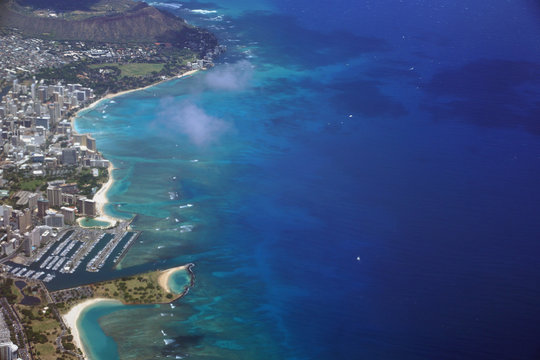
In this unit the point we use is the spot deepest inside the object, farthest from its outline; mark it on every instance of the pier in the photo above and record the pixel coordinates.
(74, 247)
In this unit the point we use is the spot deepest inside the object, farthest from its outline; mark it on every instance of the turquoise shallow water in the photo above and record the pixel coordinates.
(354, 180)
(96, 343)
(179, 281)
(89, 222)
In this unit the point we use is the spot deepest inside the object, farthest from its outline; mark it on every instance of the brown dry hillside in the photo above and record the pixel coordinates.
(141, 23)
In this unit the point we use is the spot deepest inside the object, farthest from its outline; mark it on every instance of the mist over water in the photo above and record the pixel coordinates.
(353, 180)
(231, 77)
(188, 119)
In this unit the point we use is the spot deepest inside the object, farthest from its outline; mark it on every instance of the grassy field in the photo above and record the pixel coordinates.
(138, 289)
(32, 184)
(133, 69)
(42, 329)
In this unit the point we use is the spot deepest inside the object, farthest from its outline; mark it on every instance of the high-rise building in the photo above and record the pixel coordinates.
(42, 94)
(89, 207)
(80, 205)
(69, 188)
(85, 140)
(52, 113)
(8, 247)
(69, 215)
(16, 87)
(7, 214)
(8, 350)
(32, 202)
(91, 143)
(43, 206)
(24, 219)
(27, 218)
(54, 220)
(69, 156)
(27, 245)
(54, 194)
(45, 233)
(35, 236)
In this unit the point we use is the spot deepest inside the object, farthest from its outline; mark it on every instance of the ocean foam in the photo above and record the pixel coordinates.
(186, 228)
(217, 18)
(168, 5)
(203, 12)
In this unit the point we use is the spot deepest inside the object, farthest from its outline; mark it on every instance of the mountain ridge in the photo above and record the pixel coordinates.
(141, 23)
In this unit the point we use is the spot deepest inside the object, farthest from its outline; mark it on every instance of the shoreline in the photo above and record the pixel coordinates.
(164, 277)
(101, 200)
(124, 92)
(101, 195)
(73, 315)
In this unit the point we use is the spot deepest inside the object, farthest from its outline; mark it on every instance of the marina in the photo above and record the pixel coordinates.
(67, 251)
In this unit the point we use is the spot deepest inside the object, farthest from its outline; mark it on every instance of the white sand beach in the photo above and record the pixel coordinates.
(101, 196)
(164, 277)
(114, 95)
(101, 200)
(71, 317)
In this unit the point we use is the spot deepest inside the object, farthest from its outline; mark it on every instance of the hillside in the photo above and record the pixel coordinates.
(140, 23)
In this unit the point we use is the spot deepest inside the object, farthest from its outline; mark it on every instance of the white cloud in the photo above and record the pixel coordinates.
(230, 76)
(188, 119)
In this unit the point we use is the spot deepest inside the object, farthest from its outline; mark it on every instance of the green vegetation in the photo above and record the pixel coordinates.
(42, 328)
(138, 289)
(132, 69)
(24, 180)
(86, 181)
(32, 184)
(9, 290)
(112, 77)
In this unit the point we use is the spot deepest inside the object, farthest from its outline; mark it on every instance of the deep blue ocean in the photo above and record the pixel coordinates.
(353, 180)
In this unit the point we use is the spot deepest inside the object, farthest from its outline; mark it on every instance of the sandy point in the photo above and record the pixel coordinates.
(72, 316)
(163, 279)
